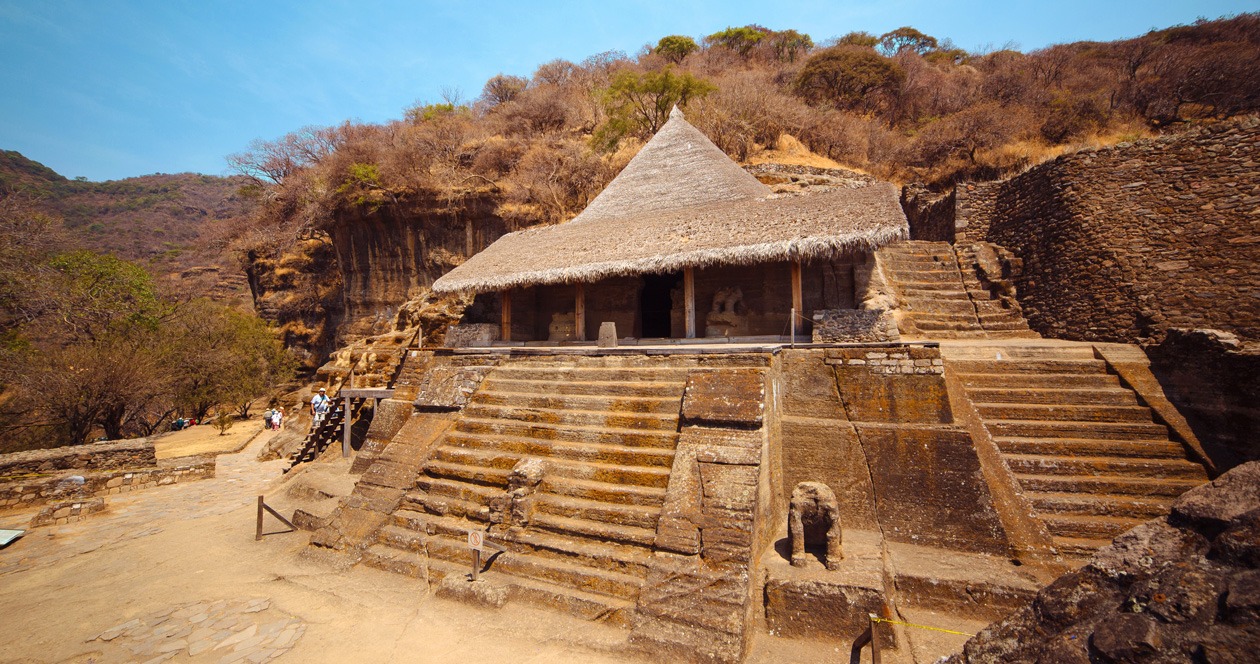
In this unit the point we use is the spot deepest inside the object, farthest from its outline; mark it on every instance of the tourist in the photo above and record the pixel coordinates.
(277, 417)
(319, 406)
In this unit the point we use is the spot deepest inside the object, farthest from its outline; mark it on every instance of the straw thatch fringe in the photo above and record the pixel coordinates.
(683, 203)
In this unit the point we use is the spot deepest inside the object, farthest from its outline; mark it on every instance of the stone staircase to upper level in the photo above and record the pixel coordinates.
(604, 430)
(1086, 453)
(939, 299)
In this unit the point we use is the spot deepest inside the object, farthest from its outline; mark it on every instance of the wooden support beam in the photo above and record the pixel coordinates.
(345, 427)
(798, 299)
(579, 312)
(505, 315)
(689, 299)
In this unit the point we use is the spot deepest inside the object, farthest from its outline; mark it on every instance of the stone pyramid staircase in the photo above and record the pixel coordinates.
(605, 429)
(939, 299)
(1086, 453)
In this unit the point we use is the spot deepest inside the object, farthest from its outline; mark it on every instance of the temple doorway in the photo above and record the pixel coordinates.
(655, 304)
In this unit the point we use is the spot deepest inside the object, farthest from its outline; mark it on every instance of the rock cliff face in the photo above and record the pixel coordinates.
(350, 281)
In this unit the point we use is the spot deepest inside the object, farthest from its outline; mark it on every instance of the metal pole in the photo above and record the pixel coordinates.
(476, 563)
(793, 328)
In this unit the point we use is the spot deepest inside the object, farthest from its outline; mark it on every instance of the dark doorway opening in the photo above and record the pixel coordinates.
(656, 304)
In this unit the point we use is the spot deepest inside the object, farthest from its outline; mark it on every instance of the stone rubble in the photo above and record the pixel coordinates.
(244, 630)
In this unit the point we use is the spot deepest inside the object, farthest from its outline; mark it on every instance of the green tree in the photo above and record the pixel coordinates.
(675, 48)
(788, 44)
(639, 103)
(848, 77)
(741, 40)
(894, 42)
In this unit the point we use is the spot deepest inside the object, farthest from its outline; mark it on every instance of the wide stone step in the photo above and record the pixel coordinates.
(1153, 469)
(1064, 412)
(1007, 352)
(940, 311)
(592, 607)
(562, 417)
(929, 324)
(594, 388)
(450, 488)
(1088, 527)
(620, 454)
(520, 563)
(1130, 507)
(500, 464)
(557, 373)
(572, 548)
(1079, 547)
(401, 538)
(594, 530)
(1117, 396)
(466, 473)
(1020, 366)
(1094, 430)
(640, 516)
(1139, 449)
(1038, 381)
(667, 405)
(406, 563)
(932, 285)
(600, 435)
(608, 492)
(1126, 485)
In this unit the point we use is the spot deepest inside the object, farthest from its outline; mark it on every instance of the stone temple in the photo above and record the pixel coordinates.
(705, 411)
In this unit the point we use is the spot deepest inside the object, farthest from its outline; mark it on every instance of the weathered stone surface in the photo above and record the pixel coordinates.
(109, 455)
(854, 326)
(819, 608)
(724, 398)
(1213, 506)
(479, 593)
(1151, 596)
(471, 335)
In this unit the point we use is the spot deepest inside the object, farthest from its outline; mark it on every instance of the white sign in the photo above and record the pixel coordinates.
(476, 539)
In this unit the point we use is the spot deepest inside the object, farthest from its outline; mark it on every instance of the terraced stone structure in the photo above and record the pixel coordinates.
(647, 486)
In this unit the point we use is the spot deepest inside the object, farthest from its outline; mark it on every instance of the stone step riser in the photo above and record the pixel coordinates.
(595, 389)
(1035, 381)
(647, 456)
(574, 434)
(1103, 528)
(573, 417)
(1064, 413)
(1146, 449)
(1103, 505)
(1153, 469)
(1022, 353)
(573, 549)
(1065, 397)
(501, 464)
(590, 510)
(1079, 549)
(1101, 485)
(552, 374)
(1091, 430)
(516, 563)
(546, 401)
(1019, 366)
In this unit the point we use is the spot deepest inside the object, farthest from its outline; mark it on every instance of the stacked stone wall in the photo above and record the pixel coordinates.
(42, 489)
(135, 453)
(931, 219)
(1124, 243)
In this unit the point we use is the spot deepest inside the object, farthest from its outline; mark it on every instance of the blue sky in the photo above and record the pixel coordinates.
(109, 90)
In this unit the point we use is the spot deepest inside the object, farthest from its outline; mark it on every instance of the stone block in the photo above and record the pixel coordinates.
(724, 398)
(818, 608)
(607, 335)
(471, 335)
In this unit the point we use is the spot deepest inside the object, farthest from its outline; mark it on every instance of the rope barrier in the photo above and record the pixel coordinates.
(916, 626)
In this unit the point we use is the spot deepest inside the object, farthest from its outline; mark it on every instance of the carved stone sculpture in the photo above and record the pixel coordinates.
(516, 506)
(562, 328)
(724, 319)
(813, 516)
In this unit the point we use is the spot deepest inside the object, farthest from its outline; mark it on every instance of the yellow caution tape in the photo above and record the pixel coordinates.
(934, 629)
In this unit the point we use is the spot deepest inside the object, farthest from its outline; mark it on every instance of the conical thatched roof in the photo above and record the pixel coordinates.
(681, 202)
(680, 167)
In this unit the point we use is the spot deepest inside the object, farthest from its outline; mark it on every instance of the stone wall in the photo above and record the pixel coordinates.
(64, 486)
(1124, 243)
(931, 217)
(135, 453)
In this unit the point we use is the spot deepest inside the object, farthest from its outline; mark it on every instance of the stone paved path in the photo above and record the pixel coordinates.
(174, 574)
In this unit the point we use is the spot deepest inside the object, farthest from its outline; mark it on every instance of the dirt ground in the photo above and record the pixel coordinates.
(205, 439)
(174, 574)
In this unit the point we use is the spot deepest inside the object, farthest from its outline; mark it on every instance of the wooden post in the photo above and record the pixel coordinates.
(345, 427)
(505, 315)
(579, 312)
(798, 301)
(258, 529)
(689, 299)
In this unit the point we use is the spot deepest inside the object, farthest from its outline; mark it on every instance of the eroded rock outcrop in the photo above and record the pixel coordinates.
(1179, 589)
